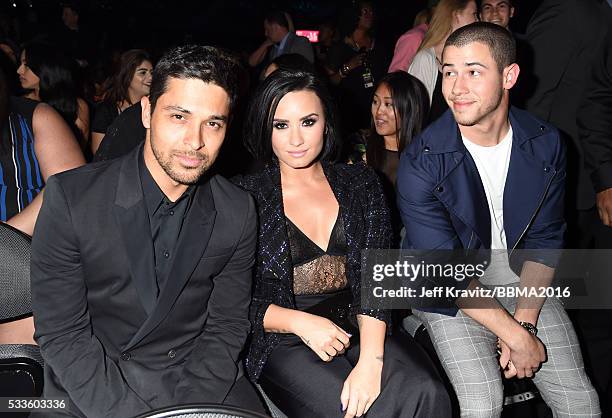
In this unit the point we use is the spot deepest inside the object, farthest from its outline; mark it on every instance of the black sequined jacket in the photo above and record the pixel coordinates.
(366, 226)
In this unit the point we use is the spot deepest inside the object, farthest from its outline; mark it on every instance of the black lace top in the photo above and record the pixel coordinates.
(317, 271)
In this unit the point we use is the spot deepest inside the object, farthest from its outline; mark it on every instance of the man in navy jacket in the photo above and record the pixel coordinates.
(487, 176)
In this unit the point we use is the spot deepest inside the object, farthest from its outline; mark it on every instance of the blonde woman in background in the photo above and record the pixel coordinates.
(449, 15)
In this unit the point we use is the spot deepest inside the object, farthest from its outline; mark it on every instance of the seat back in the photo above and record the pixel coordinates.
(21, 365)
(202, 411)
(15, 300)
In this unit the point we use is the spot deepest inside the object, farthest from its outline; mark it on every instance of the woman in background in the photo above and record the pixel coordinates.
(449, 15)
(399, 107)
(48, 76)
(315, 350)
(128, 85)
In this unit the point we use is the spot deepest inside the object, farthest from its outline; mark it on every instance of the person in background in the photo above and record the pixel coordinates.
(313, 346)
(130, 83)
(327, 37)
(399, 108)
(48, 76)
(280, 39)
(35, 144)
(408, 44)
(497, 11)
(595, 135)
(355, 63)
(449, 15)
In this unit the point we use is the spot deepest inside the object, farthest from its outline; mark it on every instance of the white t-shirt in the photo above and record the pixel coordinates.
(492, 164)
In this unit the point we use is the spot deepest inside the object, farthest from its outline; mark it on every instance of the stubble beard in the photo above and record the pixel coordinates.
(186, 176)
(488, 108)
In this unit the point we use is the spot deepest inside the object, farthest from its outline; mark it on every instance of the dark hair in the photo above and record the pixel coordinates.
(277, 16)
(500, 41)
(205, 63)
(260, 114)
(293, 62)
(410, 105)
(57, 81)
(118, 88)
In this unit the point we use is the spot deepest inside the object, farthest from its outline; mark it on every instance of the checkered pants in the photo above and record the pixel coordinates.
(467, 351)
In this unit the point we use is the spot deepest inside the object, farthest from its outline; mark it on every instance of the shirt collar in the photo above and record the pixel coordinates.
(153, 195)
(282, 43)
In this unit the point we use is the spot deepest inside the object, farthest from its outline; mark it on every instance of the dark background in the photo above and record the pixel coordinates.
(233, 24)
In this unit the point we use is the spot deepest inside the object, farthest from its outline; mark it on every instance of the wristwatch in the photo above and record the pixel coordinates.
(529, 327)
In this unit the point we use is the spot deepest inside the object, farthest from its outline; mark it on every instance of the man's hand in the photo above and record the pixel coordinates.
(604, 206)
(323, 337)
(361, 387)
(523, 356)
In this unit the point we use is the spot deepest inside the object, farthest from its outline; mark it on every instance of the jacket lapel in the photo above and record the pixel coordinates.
(464, 181)
(131, 214)
(461, 180)
(193, 240)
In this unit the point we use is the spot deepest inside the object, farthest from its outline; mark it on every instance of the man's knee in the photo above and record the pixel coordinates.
(484, 402)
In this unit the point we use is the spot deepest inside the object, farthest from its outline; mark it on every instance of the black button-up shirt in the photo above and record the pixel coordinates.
(166, 219)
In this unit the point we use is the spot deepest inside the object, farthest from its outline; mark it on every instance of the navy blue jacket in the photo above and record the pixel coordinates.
(443, 203)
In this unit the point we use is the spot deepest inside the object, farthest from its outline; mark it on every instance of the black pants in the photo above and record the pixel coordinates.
(302, 385)
(593, 326)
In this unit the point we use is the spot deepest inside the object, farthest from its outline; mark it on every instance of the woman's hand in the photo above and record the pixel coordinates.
(362, 387)
(323, 337)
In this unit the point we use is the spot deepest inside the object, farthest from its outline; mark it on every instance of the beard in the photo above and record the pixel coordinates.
(176, 171)
(472, 118)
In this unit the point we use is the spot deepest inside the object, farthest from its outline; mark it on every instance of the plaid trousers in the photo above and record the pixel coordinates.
(467, 351)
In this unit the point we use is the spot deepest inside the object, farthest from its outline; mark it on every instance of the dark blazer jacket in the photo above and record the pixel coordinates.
(108, 344)
(595, 115)
(443, 203)
(366, 226)
(566, 36)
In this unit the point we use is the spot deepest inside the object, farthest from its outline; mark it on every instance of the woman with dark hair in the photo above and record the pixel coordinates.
(127, 86)
(35, 143)
(355, 64)
(315, 351)
(399, 107)
(48, 76)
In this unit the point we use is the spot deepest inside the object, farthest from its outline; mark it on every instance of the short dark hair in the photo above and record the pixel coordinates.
(277, 16)
(205, 63)
(500, 41)
(260, 114)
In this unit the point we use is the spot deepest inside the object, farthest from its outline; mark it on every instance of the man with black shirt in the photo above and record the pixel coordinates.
(141, 266)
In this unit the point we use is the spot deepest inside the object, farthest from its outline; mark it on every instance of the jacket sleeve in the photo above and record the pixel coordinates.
(212, 367)
(548, 227)
(377, 232)
(425, 218)
(93, 381)
(595, 120)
